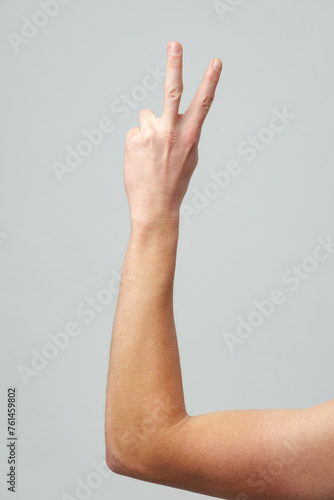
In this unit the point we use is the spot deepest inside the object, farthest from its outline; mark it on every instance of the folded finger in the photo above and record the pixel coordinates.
(145, 118)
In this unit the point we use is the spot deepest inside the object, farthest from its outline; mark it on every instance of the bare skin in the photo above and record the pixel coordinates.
(281, 454)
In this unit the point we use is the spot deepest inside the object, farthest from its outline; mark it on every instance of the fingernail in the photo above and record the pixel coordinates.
(175, 48)
(217, 64)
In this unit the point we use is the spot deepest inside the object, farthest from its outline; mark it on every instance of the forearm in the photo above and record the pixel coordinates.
(145, 394)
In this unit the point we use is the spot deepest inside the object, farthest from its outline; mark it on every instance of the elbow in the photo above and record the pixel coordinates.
(115, 459)
(113, 465)
(125, 457)
(138, 441)
(130, 458)
(140, 455)
(119, 449)
(111, 461)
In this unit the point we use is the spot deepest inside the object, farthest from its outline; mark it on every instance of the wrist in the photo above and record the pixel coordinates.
(150, 225)
(158, 235)
(152, 246)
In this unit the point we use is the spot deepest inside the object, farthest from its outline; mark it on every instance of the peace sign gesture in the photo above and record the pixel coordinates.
(200, 105)
(162, 153)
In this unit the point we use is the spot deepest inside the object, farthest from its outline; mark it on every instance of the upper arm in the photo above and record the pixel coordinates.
(250, 454)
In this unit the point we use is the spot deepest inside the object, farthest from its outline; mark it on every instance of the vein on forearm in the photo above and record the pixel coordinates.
(144, 373)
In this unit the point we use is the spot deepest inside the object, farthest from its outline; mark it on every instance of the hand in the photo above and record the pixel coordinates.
(161, 155)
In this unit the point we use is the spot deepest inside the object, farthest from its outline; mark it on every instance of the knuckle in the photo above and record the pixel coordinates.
(131, 132)
(213, 77)
(206, 101)
(143, 112)
(174, 93)
(169, 136)
(190, 137)
(148, 135)
(130, 136)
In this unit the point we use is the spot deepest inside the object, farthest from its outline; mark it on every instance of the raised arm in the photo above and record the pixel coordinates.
(243, 454)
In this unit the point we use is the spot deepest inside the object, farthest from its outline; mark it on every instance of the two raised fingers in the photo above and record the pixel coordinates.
(200, 105)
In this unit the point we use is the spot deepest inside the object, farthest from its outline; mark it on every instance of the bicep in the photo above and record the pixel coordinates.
(251, 454)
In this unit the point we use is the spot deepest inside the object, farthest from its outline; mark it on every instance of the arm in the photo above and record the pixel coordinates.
(145, 385)
(242, 454)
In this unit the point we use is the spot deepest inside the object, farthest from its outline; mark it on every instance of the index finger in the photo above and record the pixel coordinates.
(173, 85)
(202, 100)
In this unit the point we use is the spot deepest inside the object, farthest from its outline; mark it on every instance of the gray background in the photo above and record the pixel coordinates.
(61, 241)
